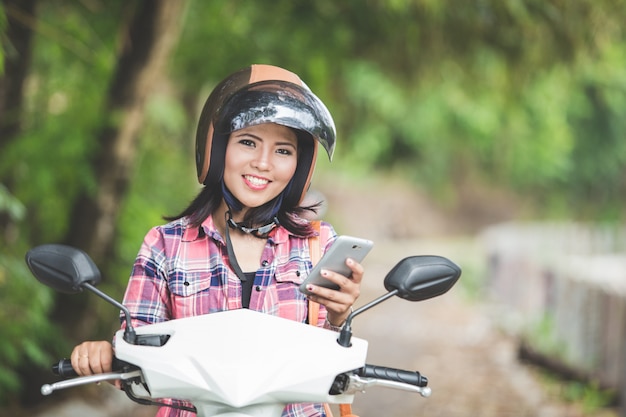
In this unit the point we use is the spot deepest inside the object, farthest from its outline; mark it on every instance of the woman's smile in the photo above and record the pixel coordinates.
(256, 182)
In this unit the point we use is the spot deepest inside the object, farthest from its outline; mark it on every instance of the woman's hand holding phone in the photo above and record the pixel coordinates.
(335, 281)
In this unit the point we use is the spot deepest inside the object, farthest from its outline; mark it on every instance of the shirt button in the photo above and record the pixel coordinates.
(297, 273)
(258, 288)
(264, 263)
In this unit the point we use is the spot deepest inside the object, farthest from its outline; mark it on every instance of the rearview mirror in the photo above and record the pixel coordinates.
(415, 278)
(418, 278)
(70, 270)
(62, 267)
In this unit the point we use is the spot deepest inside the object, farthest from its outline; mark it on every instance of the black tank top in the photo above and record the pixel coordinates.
(246, 288)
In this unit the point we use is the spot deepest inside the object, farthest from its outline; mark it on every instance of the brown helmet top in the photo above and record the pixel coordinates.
(255, 95)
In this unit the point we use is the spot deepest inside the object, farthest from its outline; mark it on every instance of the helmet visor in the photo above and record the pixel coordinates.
(282, 103)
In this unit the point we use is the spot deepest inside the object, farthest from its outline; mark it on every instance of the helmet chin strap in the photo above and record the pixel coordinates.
(261, 232)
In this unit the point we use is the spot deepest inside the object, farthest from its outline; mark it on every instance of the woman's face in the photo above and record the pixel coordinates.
(260, 161)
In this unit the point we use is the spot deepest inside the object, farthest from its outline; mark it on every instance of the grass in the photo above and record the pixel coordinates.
(587, 397)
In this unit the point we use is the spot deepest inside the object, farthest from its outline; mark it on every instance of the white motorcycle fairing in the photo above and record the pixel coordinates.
(242, 362)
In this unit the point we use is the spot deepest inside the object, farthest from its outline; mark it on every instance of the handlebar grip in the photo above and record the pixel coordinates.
(391, 374)
(64, 367)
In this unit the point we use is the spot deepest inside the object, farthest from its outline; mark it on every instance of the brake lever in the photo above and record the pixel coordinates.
(48, 389)
(359, 384)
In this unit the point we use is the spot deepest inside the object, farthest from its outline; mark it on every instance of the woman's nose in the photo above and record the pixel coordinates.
(261, 161)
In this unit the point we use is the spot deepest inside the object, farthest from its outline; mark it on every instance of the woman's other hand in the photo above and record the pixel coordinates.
(91, 358)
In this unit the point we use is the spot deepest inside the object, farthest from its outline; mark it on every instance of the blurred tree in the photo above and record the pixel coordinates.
(438, 87)
(148, 39)
(97, 121)
(17, 44)
(148, 34)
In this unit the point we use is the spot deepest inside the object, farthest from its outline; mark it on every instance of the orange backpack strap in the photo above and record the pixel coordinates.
(316, 253)
(345, 410)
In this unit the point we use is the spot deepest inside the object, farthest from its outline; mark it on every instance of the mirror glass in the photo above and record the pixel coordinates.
(418, 278)
(62, 267)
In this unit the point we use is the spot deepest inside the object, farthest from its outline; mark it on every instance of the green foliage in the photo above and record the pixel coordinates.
(27, 335)
(589, 396)
(10, 206)
(526, 95)
(47, 164)
(50, 158)
(541, 335)
(165, 180)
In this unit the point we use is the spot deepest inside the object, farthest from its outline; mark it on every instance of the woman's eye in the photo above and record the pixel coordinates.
(285, 151)
(247, 142)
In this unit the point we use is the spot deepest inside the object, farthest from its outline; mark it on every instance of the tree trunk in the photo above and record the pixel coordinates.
(150, 37)
(18, 53)
(17, 60)
(148, 40)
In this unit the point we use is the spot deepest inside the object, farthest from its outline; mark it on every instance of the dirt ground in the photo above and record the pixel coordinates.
(458, 343)
(455, 340)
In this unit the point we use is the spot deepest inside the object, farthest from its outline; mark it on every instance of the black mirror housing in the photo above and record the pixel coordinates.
(62, 267)
(418, 278)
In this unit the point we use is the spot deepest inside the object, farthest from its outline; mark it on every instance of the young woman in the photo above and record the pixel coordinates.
(243, 241)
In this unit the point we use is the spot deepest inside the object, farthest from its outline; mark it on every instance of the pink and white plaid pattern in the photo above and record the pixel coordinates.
(183, 272)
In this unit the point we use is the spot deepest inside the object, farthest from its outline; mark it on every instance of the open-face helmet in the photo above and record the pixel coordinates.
(263, 94)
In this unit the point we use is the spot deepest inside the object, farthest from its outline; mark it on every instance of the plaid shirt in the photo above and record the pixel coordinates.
(182, 271)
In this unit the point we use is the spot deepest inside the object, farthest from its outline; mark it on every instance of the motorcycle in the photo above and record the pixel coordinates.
(292, 362)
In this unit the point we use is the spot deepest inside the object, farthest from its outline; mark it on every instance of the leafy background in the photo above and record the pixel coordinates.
(526, 97)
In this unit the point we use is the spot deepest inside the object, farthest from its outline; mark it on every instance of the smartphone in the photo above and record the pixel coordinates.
(335, 260)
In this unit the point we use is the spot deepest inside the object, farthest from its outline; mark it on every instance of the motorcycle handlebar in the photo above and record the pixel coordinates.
(64, 367)
(392, 374)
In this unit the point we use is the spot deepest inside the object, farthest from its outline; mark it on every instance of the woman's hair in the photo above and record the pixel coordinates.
(288, 211)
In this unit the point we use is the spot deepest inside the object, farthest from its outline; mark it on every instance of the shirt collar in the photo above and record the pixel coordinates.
(207, 228)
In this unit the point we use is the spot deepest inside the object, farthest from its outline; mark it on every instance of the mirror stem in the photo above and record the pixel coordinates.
(129, 333)
(346, 331)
